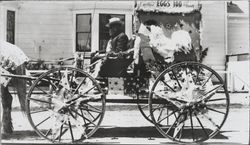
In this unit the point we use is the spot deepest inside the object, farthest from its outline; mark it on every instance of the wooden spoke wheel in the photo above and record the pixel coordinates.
(195, 106)
(142, 104)
(65, 105)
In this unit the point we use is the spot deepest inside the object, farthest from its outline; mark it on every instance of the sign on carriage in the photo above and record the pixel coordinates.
(167, 6)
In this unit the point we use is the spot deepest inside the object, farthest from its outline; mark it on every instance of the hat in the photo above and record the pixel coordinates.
(114, 21)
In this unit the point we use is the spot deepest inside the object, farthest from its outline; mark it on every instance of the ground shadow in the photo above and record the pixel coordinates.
(144, 132)
(139, 132)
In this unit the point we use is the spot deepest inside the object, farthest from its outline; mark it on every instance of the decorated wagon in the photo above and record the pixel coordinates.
(172, 91)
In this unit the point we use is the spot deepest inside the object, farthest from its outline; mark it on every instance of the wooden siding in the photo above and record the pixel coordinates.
(45, 30)
(213, 33)
(238, 35)
(2, 23)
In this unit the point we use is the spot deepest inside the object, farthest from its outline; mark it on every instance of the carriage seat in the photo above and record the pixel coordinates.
(115, 67)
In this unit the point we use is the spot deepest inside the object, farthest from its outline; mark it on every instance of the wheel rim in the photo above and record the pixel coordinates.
(198, 99)
(69, 107)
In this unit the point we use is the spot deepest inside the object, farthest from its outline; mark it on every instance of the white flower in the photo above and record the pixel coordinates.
(181, 38)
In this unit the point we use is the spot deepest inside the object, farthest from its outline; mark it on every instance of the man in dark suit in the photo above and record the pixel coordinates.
(116, 60)
(118, 39)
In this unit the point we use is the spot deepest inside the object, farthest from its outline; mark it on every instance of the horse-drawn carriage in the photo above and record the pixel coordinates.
(68, 104)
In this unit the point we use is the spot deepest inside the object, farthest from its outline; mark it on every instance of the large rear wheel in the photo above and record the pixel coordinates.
(195, 102)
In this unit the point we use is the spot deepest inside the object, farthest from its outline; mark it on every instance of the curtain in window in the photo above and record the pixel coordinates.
(83, 32)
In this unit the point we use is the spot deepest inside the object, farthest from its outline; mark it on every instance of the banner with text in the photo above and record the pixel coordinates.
(167, 6)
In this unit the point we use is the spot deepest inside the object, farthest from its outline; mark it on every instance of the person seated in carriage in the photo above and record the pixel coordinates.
(116, 59)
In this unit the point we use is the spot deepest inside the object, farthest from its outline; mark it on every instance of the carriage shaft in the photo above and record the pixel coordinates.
(19, 76)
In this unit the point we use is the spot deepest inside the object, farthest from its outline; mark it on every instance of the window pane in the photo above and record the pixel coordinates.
(83, 32)
(83, 23)
(83, 42)
(10, 27)
(103, 30)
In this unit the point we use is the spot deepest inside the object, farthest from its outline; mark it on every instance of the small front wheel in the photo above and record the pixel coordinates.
(65, 105)
(195, 102)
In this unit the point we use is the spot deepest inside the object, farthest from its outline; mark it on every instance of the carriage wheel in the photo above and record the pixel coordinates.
(157, 104)
(143, 105)
(198, 99)
(65, 105)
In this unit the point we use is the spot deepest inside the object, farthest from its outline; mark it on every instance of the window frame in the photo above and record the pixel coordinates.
(83, 32)
(3, 11)
(99, 36)
(95, 26)
(12, 29)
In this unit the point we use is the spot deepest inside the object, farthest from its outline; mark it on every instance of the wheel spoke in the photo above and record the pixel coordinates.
(42, 121)
(77, 88)
(175, 115)
(88, 109)
(71, 132)
(34, 112)
(203, 129)
(168, 85)
(167, 116)
(215, 110)
(145, 106)
(197, 76)
(60, 74)
(180, 134)
(173, 124)
(89, 90)
(60, 135)
(219, 99)
(53, 85)
(154, 109)
(211, 121)
(160, 114)
(47, 133)
(49, 95)
(50, 78)
(191, 121)
(83, 117)
(71, 79)
(210, 93)
(207, 80)
(176, 79)
(43, 101)
(91, 114)
(97, 110)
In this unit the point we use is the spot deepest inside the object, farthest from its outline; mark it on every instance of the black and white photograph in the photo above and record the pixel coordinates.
(124, 72)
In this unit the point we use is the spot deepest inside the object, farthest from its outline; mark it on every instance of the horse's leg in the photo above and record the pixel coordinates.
(6, 104)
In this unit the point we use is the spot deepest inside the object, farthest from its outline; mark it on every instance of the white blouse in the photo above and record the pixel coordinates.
(11, 56)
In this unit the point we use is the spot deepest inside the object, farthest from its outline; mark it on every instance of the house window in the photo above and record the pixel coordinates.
(83, 32)
(103, 30)
(10, 27)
